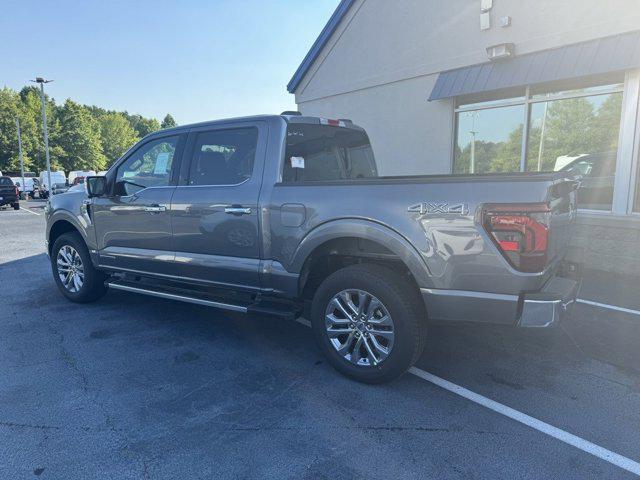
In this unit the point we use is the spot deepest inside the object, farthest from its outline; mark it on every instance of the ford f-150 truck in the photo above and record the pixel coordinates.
(287, 215)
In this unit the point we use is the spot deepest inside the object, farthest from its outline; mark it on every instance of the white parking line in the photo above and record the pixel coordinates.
(566, 437)
(27, 210)
(610, 307)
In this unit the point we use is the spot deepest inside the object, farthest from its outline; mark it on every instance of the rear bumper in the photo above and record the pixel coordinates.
(539, 309)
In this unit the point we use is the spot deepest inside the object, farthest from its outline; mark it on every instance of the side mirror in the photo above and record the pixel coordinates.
(96, 186)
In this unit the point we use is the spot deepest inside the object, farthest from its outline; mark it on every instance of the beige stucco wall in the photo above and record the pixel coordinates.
(380, 65)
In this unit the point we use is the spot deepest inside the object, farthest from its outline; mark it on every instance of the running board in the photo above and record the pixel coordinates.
(180, 298)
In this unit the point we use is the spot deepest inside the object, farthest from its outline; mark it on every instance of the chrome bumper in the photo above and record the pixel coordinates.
(549, 306)
(541, 309)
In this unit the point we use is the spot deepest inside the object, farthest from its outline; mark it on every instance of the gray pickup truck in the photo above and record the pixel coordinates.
(286, 215)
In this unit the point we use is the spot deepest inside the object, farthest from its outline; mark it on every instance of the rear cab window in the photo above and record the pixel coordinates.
(326, 153)
(6, 182)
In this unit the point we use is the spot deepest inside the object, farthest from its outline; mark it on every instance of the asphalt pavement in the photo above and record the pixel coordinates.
(139, 387)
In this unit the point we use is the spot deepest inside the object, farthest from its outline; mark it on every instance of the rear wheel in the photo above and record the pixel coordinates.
(16, 206)
(73, 271)
(369, 322)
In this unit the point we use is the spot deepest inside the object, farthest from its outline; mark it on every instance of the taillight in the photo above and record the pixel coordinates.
(17, 191)
(521, 232)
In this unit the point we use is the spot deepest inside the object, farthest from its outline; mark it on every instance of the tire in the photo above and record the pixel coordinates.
(16, 206)
(75, 257)
(403, 337)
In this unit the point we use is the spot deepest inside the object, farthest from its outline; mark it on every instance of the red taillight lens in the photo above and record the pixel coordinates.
(521, 232)
(17, 191)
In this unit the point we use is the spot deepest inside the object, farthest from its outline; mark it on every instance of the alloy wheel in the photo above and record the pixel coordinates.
(70, 268)
(359, 327)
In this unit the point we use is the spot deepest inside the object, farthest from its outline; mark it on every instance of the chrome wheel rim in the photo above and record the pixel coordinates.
(70, 268)
(359, 327)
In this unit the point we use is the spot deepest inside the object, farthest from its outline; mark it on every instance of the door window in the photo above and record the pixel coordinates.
(149, 166)
(223, 157)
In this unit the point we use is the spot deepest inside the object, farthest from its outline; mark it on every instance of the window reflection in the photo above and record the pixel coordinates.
(489, 140)
(578, 135)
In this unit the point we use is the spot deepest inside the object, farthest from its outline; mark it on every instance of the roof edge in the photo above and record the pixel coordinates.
(328, 30)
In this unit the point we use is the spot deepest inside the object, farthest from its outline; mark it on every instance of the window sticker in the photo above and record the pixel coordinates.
(297, 162)
(161, 163)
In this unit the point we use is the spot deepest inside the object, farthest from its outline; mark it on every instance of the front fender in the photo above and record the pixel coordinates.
(367, 230)
(72, 211)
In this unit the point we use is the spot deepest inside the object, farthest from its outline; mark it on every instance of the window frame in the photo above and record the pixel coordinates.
(258, 162)
(112, 173)
(625, 186)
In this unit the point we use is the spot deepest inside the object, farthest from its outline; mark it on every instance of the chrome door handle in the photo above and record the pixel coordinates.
(238, 210)
(155, 208)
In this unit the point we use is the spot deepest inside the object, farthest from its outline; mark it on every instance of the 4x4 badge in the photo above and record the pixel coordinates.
(434, 208)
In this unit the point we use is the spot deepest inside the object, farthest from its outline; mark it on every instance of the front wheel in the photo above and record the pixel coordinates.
(73, 272)
(369, 322)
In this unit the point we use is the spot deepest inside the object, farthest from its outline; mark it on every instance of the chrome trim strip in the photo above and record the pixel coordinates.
(180, 298)
(469, 294)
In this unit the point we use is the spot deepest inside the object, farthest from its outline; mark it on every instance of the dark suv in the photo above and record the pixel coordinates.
(9, 194)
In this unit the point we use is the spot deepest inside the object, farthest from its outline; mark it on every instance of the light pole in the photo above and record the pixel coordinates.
(42, 81)
(20, 153)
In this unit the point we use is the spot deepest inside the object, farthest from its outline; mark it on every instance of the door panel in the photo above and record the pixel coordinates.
(133, 224)
(131, 234)
(216, 229)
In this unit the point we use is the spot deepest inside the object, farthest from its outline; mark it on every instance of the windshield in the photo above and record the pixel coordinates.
(327, 153)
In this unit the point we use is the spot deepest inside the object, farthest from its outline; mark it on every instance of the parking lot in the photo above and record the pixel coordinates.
(139, 387)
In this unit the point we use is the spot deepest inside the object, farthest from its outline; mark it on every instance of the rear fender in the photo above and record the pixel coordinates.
(367, 230)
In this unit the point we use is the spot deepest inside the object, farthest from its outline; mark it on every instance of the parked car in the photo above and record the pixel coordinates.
(79, 173)
(9, 194)
(78, 181)
(58, 180)
(287, 215)
(30, 187)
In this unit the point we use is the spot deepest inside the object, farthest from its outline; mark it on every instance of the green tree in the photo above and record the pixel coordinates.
(143, 126)
(117, 135)
(9, 108)
(79, 138)
(168, 122)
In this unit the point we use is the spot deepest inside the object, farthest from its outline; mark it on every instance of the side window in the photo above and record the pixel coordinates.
(223, 157)
(149, 166)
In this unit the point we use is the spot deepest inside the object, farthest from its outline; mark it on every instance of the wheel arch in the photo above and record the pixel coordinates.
(360, 241)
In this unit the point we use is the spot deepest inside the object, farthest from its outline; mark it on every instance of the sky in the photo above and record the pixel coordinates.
(196, 59)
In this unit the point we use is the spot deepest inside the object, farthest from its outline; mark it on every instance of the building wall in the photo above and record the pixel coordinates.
(402, 130)
(380, 66)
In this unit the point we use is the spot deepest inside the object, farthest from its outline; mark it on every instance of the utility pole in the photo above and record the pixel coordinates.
(42, 81)
(20, 153)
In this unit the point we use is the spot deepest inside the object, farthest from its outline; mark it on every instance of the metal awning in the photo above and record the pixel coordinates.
(593, 57)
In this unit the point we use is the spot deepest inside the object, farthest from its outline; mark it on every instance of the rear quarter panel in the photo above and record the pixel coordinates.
(455, 249)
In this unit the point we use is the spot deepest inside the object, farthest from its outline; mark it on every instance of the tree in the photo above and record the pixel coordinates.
(9, 101)
(168, 122)
(143, 126)
(117, 135)
(80, 139)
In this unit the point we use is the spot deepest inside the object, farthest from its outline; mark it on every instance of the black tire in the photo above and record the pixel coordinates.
(16, 206)
(93, 286)
(401, 300)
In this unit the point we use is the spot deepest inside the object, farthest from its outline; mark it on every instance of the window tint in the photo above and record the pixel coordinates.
(6, 181)
(149, 166)
(223, 157)
(327, 153)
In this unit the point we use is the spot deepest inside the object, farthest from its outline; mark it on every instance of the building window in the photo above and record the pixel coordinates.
(573, 130)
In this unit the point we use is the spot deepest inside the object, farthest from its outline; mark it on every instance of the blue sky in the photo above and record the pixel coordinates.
(197, 59)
